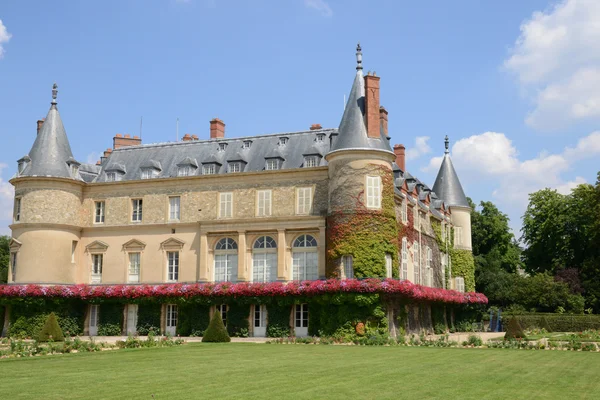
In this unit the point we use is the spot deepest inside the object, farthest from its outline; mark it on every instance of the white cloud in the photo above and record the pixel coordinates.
(587, 146)
(93, 157)
(321, 6)
(7, 195)
(566, 188)
(557, 59)
(420, 148)
(4, 37)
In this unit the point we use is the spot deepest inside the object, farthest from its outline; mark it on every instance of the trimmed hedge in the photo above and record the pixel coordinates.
(557, 322)
(216, 332)
(148, 318)
(278, 321)
(110, 319)
(237, 319)
(28, 318)
(50, 330)
(514, 330)
(193, 319)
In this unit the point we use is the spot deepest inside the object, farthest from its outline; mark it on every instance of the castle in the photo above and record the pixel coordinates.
(294, 206)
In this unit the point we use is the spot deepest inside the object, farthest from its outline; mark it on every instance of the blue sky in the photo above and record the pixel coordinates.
(516, 85)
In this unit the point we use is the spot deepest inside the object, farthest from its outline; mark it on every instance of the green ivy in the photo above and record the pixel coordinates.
(463, 265)
(193, 319)
(237, 319)
(27, 317)
(365, 234)
(148, 318)
(110, 319)
(278, 321)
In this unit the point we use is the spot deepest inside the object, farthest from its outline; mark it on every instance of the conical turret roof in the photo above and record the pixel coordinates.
(51, 150)
(447, 185)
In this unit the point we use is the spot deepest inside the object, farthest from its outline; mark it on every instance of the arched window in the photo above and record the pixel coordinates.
(226, 260)
(305, 260)
(264, 260)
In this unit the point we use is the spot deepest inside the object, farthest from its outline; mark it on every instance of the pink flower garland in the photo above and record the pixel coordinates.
(403, 289)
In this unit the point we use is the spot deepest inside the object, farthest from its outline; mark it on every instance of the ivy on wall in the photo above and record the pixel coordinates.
(27, 317)
(149, 318)
(237, 319)
(463, 264)
(364, 233)
(110, 319)
(278, 319)
(193, 319)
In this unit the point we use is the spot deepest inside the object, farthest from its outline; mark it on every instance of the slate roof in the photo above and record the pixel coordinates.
(447, 185)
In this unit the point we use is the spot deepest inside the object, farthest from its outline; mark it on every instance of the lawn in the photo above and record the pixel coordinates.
(247, 370)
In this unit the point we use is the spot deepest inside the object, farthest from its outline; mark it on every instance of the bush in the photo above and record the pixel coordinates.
(514, 330)
(110, 319)
(192, 319)
(51, 330)
(557, 322)
(237, 319)
(216, 332)
(475, 340)
(148, 318)
(278, 323)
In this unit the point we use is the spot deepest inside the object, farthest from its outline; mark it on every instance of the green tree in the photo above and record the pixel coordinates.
(4, 258)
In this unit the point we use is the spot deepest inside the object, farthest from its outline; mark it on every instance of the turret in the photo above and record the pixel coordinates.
(46, 221)
(448, 188)
(361, 193)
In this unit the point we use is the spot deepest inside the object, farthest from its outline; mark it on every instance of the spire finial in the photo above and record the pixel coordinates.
(358, 57)
(447, 144)
(54, 92)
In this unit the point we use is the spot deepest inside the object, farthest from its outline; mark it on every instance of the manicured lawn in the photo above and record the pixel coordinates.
(216, 371)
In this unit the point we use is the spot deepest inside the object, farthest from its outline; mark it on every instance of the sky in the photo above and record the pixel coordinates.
(514, 84)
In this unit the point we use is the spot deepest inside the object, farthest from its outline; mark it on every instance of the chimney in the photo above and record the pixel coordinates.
(372, 105)
(107, 152)
(217, 128)
(186, 137)
(315, 127)
(40, 122)
(194, 137)
(383, 119)
(400, 152)
(125, 140)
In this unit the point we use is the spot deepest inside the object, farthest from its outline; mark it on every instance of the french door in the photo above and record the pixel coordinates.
(260, 320)
(93, 324)
(132, 315)
(171, 325)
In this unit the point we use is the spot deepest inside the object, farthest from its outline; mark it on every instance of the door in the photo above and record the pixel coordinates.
(171, 325)
(301, 317)
(260, 320)
(132, 313)
(93, 325)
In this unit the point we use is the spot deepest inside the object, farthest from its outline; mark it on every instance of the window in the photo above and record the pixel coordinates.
(443, 227)
(272, 164)
(73, 249)
(99, 212)
(260, 316)
(263, 203)
(113, 176)
(305, 265)
(416, 221)
(74, 170)
(225, 205)
(404, 211)
(459, 284)
(311, 161)
(388, 265)
(373, 191)
(171, 319)
(209, 169)
(235, 166)
(17, 213)
(172, 266)
(222, 309)
(134, 267)
(428, 270)
(13, 265)
(97, 260)
(136, 215)
(320, 137)
(185, 170)
(174, 210)
(226, 260)
(94, 314)
(444, 263)
(303, 201)
(301, 316)
(149, 173)
(21, 166)
(247, 144)
(417, 263)
(348, 267)
(404, 270)
(283, 141)
(264, 260)
(458, 236)
(222, 146)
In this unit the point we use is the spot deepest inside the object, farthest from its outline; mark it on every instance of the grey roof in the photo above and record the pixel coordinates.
(352, 133)
(89, 172)
(51, 150)
(129, 160)
(447, 185)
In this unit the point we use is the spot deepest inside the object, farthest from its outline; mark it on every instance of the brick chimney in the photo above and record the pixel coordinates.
(194, 137)
(383, 119)
(400, 152)
(372, 105)
(315, 127)
(40, 122)
(186, 137)
(125, 140)
(217, 128)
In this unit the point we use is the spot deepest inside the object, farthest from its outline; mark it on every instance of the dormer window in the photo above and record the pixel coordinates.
(222, 146)
(272, 164)
(320, 137)
(311, 161)
(209, 169)
(113, 176)
(247, 144)
(283, 140)
(149, 173)
(74, 170)
(235, 166)
(22, 164)
(185, 170)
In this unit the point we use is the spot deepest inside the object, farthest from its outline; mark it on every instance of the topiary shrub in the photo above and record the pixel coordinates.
(514, 330)
(51, 330)
(545, 325)
(216, 332)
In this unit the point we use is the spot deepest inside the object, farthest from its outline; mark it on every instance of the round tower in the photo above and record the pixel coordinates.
(46, 226)
(361, 224)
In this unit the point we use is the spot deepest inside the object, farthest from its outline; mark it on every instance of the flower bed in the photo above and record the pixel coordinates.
(404, 289)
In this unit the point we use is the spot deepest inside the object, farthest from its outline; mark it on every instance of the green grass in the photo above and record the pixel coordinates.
(257, 371)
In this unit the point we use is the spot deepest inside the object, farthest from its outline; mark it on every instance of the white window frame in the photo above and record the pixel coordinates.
(171, 318)
(459, 284)
(184, 170)
(137, 208)
(303, 249)
(97, 264)
(263, 203)
(17, 209)
(234, 166)
(428, 270)
(348, 267)
(222, 310)
(13, 264)
(94, 317)
(99, 211)
(301, 315)
(271, 164)
(404, 264)
(149, 173)
(264, 258)
(404, 211)
(417, 263)
(174, 208)
(373, 192)
(173, 264)
(113, 176)
(458, 236)
(209, 169)
(228, 259)
(388, 265)
(134, 266)
(225, 205)
(304, 200)
(443, 264)
(311, 161)
(260, 316)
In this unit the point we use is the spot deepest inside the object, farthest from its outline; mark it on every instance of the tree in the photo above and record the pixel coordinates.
(51, 330)
(4, 258)
(216, 331)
